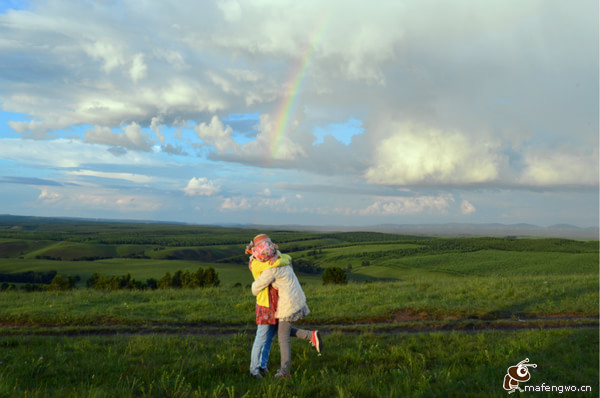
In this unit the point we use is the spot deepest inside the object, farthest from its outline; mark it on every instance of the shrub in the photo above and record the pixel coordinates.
(180, 279)
(307, 267)
(334, 275)
(211, 278)
(152, 283)
(60, 283)
(5, 287)
(29, 277)
(31, 287)
(166, 281)
(186, 279)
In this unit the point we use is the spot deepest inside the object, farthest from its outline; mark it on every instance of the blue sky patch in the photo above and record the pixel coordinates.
(343, 132)
(6, 5)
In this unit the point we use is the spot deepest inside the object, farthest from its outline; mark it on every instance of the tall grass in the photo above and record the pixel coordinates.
(432, 296)
(398, 365)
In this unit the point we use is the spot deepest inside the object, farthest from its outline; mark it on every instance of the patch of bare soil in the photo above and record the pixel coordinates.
(401, 322)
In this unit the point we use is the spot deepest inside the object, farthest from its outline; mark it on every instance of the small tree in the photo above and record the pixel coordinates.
(60, 283)
(93, 280)
(334, 275)
(126, 282)
(211, 278)
(152, 283)
(198, 279)
(177, 280)
(166, 281)
(187, 279)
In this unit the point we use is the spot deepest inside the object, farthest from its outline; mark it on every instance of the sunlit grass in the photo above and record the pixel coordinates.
(425, 364)
(432, 295)
(456, 284)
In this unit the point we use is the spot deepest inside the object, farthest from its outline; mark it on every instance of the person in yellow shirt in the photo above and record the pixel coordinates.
(263, 256)
(274, 269)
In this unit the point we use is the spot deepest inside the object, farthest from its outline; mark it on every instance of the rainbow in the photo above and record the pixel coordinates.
(295, 83)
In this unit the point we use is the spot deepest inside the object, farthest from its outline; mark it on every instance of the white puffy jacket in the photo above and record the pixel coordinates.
(291, 296)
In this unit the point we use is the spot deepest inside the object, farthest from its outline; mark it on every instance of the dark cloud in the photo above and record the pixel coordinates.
(117, 150)
(28, 181)
(173, 150)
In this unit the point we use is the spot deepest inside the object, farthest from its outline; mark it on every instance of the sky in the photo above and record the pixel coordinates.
(281, 112)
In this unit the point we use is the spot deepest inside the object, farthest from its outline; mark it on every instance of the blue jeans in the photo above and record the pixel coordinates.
(262, 347)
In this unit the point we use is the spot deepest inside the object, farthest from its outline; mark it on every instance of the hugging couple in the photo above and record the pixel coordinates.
(279, 302)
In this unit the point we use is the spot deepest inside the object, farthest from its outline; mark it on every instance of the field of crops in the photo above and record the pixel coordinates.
(419, 317)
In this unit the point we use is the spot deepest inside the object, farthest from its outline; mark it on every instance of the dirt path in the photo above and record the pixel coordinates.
(393, 326)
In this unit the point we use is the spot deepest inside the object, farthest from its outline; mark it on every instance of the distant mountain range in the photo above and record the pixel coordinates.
(456, 229)
(517, 230)
(449, 229)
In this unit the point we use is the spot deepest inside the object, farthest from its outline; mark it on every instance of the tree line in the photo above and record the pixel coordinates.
(29, 277)
(180, 279)
(57, 283)
(38, 281)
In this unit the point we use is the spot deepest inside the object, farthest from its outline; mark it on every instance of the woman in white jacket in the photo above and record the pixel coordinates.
(291, 307)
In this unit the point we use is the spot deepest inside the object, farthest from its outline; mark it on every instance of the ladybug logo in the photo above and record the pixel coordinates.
(517, 374)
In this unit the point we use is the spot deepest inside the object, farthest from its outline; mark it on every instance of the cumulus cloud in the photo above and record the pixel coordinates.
(149, 66)
(201, 187)
(36, 128)
(117, 150)
(138, 68)
(331, 60)
(235, 204)
(273, 144)
(132, 138)
(408, 205)
(269, 148)
(91, 70)
(110, 52)
(466, 207)
(216, 135)
(561, 167)
(49, 196)
(440, 91)
(418, 155)
(273, 30)
(173, 149)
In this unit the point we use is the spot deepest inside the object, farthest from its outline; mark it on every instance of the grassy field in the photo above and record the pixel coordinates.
(432, 364)
(432, 296)
(420, 316)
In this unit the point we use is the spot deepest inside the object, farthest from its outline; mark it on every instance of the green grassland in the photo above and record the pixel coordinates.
(430, 298)
(420, 316)
(368, 365)
(378, 257)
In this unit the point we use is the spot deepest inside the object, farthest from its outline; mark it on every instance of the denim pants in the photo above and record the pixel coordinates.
(262, 347)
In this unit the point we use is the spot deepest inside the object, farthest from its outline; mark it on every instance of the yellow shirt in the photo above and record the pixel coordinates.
(257, 267)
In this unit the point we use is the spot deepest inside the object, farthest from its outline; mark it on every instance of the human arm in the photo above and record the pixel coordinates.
(264, 280)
